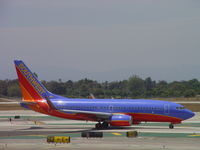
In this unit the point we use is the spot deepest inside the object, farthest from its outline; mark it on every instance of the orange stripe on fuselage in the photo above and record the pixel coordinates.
(26, 84)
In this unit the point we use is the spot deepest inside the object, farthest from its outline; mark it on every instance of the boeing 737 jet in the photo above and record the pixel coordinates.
(106, 112)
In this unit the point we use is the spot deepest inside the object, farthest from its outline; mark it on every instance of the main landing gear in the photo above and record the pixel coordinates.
(171, 126)
(103, 125)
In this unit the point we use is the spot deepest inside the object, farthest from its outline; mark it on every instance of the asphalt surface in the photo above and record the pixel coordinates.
(32, 129)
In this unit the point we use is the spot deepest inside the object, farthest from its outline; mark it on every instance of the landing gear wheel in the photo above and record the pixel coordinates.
(98, 126)
(105, 125)
(171, 126)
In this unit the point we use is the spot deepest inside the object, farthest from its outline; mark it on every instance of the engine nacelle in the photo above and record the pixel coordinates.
(120, 120)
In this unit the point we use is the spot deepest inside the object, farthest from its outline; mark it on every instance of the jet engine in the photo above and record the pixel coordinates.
(120, 120)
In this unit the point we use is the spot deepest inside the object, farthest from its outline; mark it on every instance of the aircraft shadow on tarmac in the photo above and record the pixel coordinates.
(81, 129)
(58, 128)
(69, 129)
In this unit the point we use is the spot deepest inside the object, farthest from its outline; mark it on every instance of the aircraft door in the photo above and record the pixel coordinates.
(166, 108)
(110, 108)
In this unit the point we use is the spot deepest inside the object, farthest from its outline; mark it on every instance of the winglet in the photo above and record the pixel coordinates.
(51, 105)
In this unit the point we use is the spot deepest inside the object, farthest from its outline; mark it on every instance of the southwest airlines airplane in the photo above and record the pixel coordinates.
(107, 112)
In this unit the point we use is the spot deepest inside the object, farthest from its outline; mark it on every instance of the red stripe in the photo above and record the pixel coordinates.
(153, 118)
(27, 85)
(120, 123)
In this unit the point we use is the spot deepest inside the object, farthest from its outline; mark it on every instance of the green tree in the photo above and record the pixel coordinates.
(176, 89)
(3, 88)
(149, 85)
(136, 86)
(14, 91)
(189, 93)
(35, 74)
(57, 88)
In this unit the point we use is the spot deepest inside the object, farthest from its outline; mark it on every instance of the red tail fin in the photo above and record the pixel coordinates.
(32, 89)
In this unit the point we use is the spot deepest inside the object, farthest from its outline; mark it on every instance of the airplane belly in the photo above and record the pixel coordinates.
(154, 118)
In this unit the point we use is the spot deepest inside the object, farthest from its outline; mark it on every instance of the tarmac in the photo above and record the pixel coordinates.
(31, 130)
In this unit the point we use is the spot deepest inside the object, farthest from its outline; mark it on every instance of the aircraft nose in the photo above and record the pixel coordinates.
(189, 113)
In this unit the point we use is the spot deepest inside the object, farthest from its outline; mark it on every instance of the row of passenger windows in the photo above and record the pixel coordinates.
(110, 108)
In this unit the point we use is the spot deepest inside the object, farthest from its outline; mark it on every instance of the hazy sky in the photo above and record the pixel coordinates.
(101, 39)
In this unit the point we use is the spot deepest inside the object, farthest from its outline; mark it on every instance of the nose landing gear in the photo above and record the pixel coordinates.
(171, 126)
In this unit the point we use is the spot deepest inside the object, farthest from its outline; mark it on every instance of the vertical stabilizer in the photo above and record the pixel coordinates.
(32, 89)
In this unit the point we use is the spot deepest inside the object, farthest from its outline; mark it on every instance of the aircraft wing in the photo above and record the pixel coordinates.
(100, 115)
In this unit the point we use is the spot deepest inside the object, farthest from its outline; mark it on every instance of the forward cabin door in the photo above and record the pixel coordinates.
(166, 108)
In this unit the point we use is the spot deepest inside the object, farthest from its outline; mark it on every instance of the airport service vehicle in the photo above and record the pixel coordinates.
(107, 112)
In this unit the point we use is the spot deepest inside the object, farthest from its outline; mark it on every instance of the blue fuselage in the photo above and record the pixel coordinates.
(127, 106)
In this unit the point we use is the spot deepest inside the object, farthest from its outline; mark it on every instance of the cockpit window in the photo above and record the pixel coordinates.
(180, 108)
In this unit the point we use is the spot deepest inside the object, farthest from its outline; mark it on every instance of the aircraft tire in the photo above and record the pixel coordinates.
(98, 126)
(105, 125)
(171, 126)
